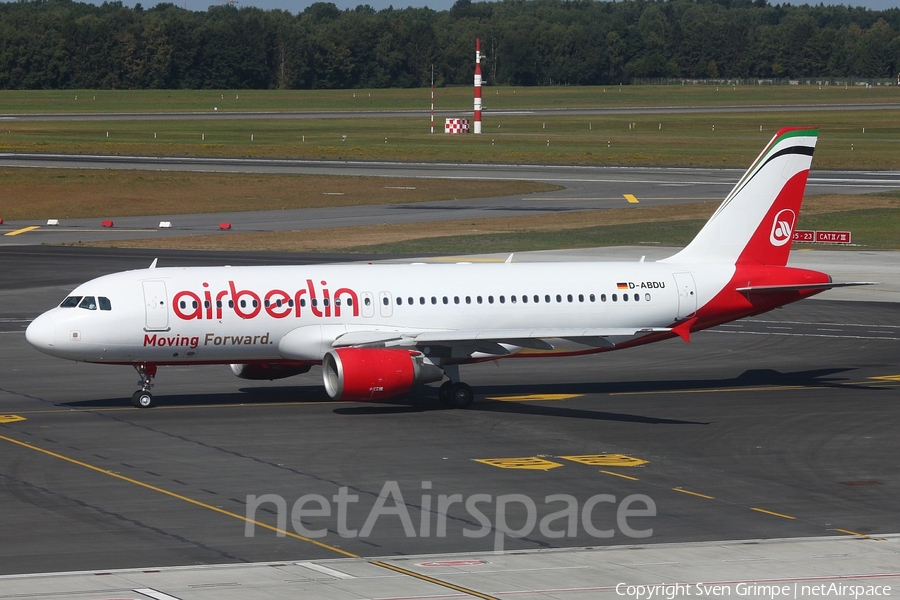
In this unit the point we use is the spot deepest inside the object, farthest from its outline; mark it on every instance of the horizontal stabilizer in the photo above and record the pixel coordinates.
(772, 289)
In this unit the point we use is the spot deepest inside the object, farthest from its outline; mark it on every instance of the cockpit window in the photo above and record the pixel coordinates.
(104, 303)
(88, 302)
(70, 302)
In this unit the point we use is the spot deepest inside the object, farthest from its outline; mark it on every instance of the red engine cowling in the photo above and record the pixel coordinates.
(260, 371)
(375, 373)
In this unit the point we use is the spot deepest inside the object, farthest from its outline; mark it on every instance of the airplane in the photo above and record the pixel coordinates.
(379, 329)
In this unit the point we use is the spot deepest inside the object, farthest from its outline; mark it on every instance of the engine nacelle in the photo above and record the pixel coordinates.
(260, 371)
(375, 373)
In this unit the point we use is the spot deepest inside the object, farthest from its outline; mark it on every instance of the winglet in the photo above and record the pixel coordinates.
(153, 264)
(683, 330)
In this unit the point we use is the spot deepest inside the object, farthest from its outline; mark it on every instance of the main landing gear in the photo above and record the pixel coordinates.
(143, 398)
(454, 393)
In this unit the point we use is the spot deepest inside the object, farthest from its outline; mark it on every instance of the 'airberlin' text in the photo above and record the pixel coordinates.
(278, 304)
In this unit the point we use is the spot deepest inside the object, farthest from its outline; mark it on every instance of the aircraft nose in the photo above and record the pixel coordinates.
(41, 333)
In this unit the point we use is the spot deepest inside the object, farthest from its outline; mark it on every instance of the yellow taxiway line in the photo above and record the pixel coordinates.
(774, 514)
(23, 230)
(620, 475)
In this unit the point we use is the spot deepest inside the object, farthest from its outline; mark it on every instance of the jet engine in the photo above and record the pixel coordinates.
(375, 373)
(268, 371)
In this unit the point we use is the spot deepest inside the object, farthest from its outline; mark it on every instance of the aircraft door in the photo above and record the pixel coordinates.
(687, 295)
(387, 307)
(368, 305)
(157, 309)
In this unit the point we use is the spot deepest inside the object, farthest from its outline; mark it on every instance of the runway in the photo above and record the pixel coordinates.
(779, 426)
(586, 188)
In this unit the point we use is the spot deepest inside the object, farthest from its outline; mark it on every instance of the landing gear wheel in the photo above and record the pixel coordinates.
(444, 394)
(461, 395)
(142, 399)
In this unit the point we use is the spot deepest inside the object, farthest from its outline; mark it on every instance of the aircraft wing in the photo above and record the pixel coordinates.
(525, 338)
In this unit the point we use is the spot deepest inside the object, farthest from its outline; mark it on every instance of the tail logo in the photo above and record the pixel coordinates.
(783, 227)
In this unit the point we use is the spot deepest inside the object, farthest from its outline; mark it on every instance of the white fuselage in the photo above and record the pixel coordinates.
(240, 314)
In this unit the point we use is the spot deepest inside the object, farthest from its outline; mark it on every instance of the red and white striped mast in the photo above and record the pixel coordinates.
(432, 98)
(477, 85)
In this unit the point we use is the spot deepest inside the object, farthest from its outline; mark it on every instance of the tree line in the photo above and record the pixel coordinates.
(61, 44)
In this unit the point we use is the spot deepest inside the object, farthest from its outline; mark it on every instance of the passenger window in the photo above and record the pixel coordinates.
(421, 299)
(547, 298)
(433, 300)
(349, 301)
(455, 299)
(468, 299)
(399, 300)
(637, 297)
(478, 300)
(569, 297)
(105, 303)
(624, 297)
(88, 303)
(581, 297)
(303, 302)
(368, 302)
(445, 300)
(647, 297)
(70, 302)
(490, 299)
(593, 298)
(615, 298)
(602, 297)
(410, 301)
(502, 299)
(384, 301)
(558, 298)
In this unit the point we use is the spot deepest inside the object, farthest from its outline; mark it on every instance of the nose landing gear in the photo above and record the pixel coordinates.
(143, 398)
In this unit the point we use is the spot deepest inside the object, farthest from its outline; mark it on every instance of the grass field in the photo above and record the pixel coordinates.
(36, 194)
(849, 139)
(677, 140)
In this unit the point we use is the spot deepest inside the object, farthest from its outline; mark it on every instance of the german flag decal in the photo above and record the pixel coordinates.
(622, 286)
